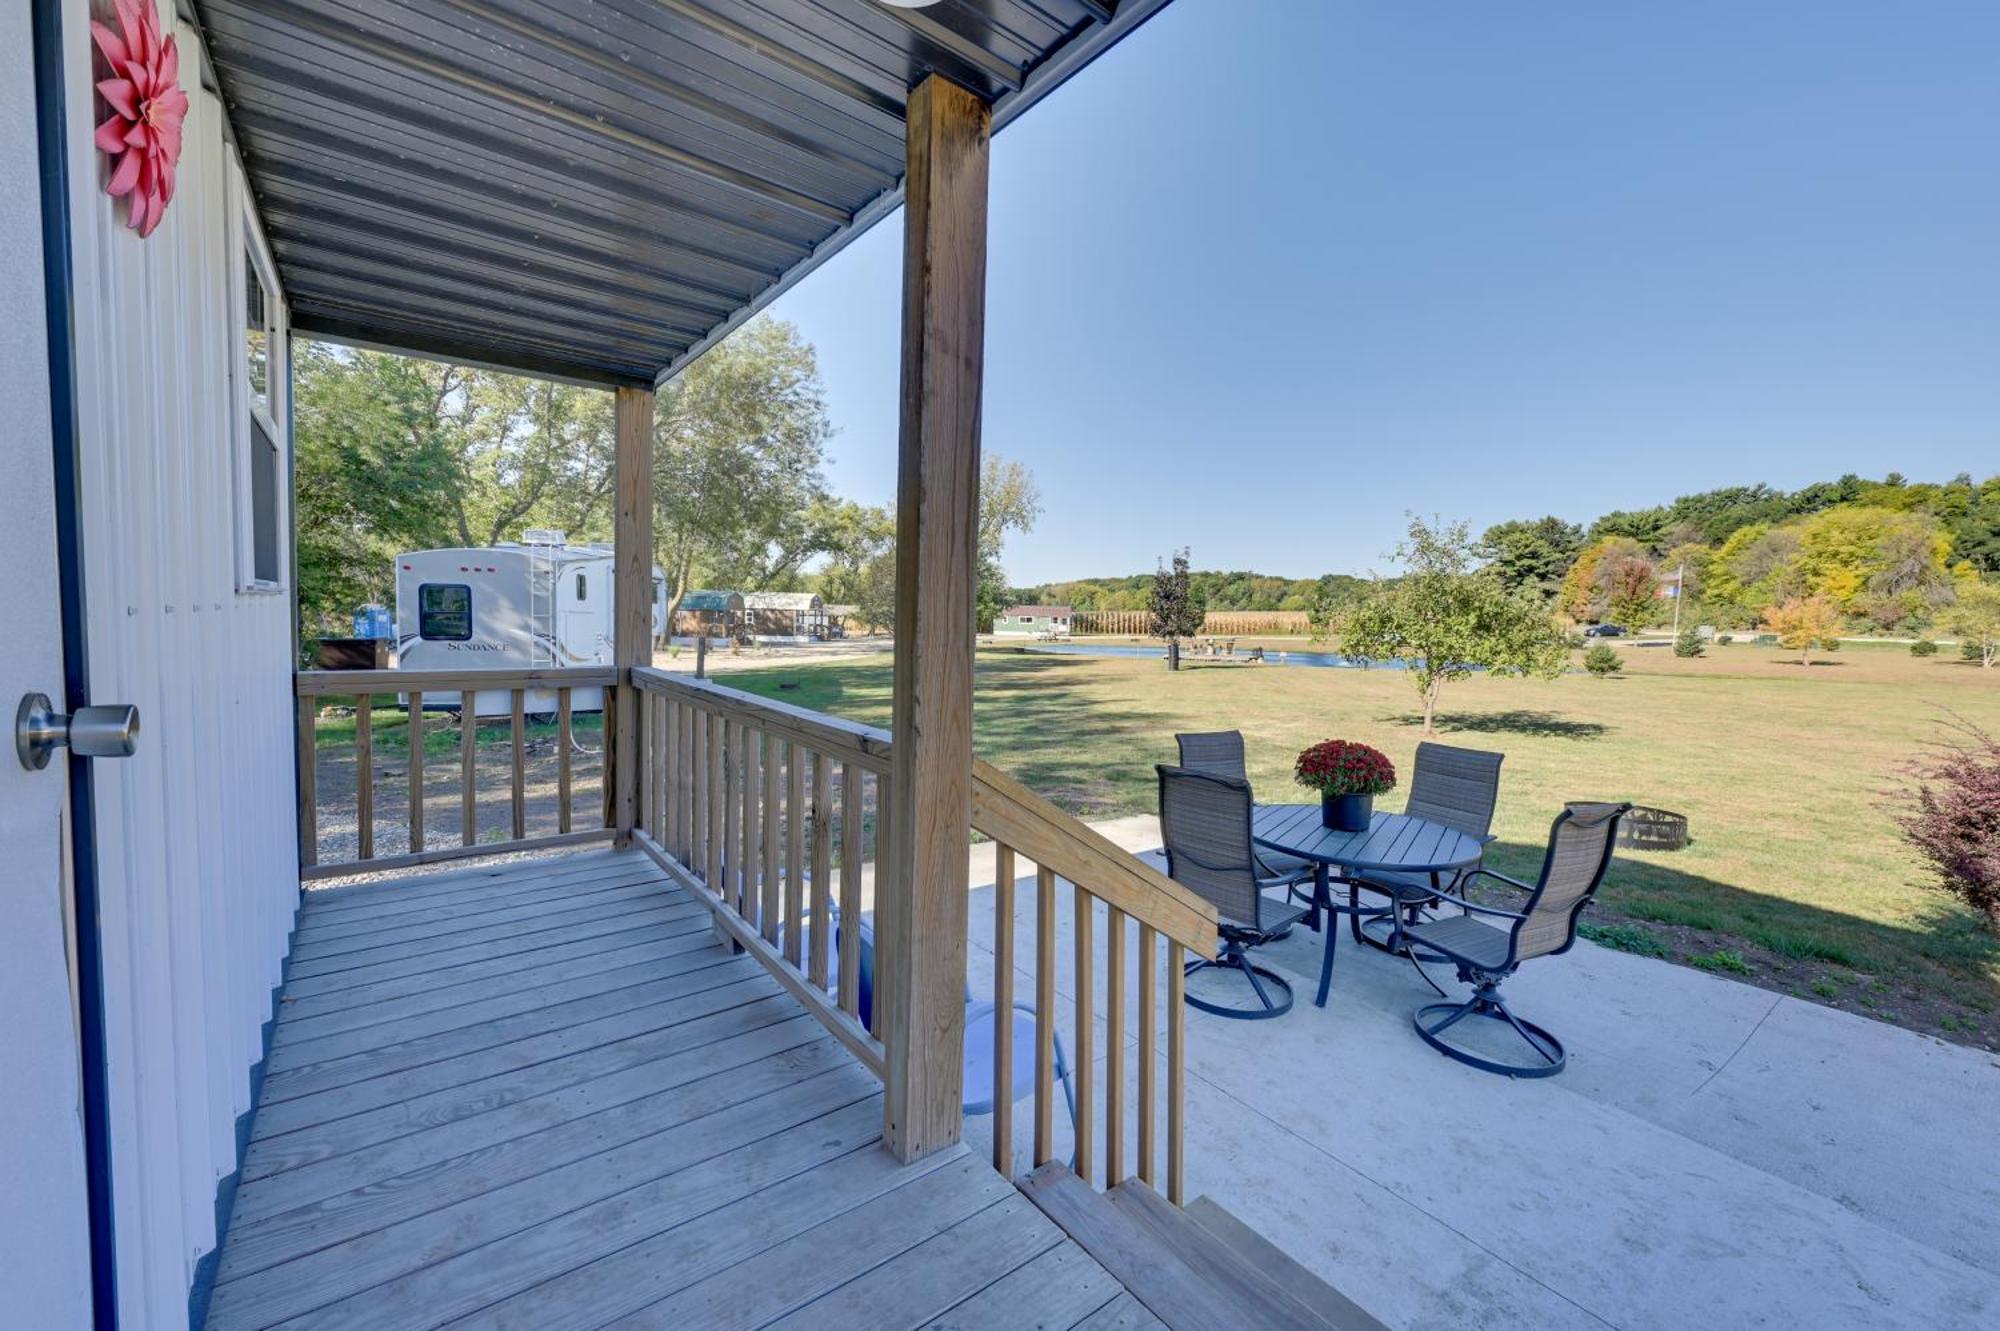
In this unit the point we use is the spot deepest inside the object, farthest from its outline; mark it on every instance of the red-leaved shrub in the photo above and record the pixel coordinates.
(1953, 818)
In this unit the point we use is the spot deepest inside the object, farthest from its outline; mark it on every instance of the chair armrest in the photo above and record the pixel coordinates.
(1478, 909)
(1514, 883)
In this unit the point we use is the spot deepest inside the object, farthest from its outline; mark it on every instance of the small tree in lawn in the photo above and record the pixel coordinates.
(1603, 662)
(1444, 619)
(1953, 819)
(1975, 622)
(1804, 624)
(1175, 612)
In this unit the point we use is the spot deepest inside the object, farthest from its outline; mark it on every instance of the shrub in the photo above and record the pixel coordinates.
(1689, 643)
(1723, 959)
(1602, 661)
(1923, 647)
(1625, 938)
(1953, 818)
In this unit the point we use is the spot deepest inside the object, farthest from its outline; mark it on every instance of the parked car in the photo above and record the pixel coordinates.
(1604, 631)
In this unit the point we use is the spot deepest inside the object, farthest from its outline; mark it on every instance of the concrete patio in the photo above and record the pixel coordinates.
(1714, 1155)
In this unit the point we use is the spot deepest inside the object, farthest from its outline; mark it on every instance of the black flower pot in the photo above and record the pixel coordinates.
(1347, 813)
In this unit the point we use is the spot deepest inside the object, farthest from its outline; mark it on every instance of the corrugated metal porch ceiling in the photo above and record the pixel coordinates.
(594, 189)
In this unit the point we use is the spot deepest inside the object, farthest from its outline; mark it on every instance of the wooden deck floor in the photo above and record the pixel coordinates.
(539, 1095)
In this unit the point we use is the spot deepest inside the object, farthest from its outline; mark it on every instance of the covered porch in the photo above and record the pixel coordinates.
(713, 1062)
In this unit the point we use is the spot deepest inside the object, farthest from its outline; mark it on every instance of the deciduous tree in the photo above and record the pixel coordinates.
(1975, 620)
(1805, 623)
(1444, 619)
(1176, 609)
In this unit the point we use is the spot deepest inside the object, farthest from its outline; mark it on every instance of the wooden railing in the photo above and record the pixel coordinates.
(550, 689)
(770, 814)
(755, 807)
(1171, 923)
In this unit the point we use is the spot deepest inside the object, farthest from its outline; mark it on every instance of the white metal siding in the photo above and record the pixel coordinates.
(196, 831)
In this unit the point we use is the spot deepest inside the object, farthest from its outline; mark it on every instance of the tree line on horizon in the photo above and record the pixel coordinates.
(1888, 555)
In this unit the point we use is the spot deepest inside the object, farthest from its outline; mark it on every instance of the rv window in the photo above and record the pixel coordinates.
(582, 587)
(444, 612)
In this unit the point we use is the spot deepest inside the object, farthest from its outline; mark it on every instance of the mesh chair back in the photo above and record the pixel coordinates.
(1456, 787)
(1216, 752)
(1580, 846)
(1205, 821)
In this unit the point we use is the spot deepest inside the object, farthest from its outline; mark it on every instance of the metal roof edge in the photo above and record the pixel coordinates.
(1044, 79)
(347, 334)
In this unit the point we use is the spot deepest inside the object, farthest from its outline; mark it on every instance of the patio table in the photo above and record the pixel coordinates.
(1394, 841)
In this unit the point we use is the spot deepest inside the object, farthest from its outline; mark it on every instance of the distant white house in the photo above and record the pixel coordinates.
(1033, 621)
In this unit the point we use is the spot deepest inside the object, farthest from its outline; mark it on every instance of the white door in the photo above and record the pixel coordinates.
(44, 1231)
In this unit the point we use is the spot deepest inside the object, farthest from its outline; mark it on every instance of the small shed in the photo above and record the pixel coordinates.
(710, 614)
(785, 616)
(1033, 621)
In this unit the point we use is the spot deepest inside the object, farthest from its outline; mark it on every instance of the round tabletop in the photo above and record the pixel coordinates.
(1392, 841)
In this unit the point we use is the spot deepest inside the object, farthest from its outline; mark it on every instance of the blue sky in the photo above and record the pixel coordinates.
(1272, 273)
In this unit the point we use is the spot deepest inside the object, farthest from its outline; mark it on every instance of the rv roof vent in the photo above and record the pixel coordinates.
(544, 536)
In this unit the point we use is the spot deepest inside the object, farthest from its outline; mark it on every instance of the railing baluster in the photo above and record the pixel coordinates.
(768, 915)
(697, 773)
(1003, 1009)
(520, 719)
(1045, 1014)
(649, 758)
(730, 889)
(752, 743)
(1084, 1060)
(564, 777)
(1148, 990)
(688, 814)
(666, 739)
(468, 767)
(1114, 1046)
(822, 868)
(885, 890)
(414, 732)
(1176, 1067)
(364, 773)
(795, 846)
(308, 727)
(853, 794)
(713, 798)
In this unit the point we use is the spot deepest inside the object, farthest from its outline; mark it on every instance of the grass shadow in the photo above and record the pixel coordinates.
(1520, 721)
(1941, 981)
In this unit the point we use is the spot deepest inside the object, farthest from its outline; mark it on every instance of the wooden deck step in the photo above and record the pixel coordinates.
(1281, 1268)
(1192, 1276)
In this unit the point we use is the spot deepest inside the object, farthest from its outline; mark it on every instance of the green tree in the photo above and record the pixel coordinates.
(377, 465)
(1534, 554)
(738, 449)
(1444, 619)
(1008, 502)
(1176, 608)
(1975, 620)
(1602, 661)
(1322, 606)
(854, 536)
(875, 595)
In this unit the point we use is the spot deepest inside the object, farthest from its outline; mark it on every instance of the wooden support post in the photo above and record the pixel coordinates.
(632, 590)
(923, 917)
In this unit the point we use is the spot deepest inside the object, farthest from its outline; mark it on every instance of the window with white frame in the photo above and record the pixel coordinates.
(260, 387)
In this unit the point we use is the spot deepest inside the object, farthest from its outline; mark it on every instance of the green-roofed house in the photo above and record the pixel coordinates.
(710, 614)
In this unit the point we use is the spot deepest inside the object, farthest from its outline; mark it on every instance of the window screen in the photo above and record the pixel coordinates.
(257, 338)
(444, 612)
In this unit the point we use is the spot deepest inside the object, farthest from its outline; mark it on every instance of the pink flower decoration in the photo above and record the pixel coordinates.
(143, 135)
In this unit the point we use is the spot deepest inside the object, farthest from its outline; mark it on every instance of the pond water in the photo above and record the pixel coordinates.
(1272, 656)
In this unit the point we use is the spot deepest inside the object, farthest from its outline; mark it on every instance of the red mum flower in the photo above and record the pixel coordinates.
(143, 134)
(1343, 767)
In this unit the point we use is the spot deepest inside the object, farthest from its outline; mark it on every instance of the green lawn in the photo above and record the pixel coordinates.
(1796, 880)
(389, 728)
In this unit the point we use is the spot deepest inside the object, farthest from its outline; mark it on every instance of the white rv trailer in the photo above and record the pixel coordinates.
(533, 604)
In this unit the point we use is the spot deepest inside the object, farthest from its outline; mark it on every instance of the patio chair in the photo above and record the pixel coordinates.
(1580, 846)
(1220, 753)
(1453, 786)
(1205, 821)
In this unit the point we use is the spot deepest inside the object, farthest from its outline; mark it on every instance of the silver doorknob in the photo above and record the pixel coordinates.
(90, 732)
